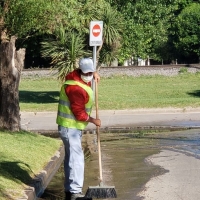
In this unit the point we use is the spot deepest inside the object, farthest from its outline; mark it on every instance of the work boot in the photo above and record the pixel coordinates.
(67, 195)
(79, 196)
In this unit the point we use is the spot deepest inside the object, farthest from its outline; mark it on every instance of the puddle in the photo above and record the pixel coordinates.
(123, 159)
(186, 141)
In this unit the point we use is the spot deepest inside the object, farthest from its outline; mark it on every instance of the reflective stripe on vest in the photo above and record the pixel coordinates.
(65, 117)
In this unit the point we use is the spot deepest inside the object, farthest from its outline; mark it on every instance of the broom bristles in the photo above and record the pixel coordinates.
(101, 192)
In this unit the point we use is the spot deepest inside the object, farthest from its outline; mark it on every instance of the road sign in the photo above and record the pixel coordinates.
(96, 32)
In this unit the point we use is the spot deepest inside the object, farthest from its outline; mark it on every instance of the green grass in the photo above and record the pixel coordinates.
(120, 92)
(23, 155)
(39, 94)
(150, 92)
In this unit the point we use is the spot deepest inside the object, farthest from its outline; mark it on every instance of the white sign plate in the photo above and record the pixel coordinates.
(96, 33)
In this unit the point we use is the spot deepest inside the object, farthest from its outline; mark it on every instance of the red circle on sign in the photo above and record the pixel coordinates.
(96, 30)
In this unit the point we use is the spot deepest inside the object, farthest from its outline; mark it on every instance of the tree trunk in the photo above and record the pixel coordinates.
(11, 64)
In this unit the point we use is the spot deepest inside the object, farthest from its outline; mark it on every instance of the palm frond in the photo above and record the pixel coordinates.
(64, 49)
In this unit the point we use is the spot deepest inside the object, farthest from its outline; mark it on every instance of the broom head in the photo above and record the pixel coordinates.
(101, 192)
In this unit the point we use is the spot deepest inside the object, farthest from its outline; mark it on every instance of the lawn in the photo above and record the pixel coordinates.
(23, 155)
(120, 92)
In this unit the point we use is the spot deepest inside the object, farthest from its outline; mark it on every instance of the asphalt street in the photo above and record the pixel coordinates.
(166, 117)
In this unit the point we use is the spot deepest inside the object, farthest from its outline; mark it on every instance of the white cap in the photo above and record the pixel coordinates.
(86, 65)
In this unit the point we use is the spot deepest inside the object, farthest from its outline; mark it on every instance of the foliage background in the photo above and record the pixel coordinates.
(157, 29)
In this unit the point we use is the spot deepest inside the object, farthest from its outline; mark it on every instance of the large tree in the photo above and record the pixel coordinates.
(21, 20)
(147, 23)
(188, 32)
(24, 19)
(150, 27)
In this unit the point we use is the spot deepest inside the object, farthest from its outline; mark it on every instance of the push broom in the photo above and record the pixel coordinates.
(100, 191)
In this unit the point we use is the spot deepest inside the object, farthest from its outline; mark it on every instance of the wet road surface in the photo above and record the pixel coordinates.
(125, 163)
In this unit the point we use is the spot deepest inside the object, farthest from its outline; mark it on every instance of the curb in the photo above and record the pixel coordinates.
(40, 182)
(122, 129)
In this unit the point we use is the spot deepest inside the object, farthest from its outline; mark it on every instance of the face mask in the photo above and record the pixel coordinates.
(86, 79)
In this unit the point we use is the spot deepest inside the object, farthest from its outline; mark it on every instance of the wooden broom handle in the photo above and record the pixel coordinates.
(97, 130)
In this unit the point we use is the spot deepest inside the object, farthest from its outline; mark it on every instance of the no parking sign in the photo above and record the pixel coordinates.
(96, 32)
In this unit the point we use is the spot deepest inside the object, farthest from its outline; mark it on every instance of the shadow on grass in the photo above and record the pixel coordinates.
(16, 171)
(195, 93)
(38, 97)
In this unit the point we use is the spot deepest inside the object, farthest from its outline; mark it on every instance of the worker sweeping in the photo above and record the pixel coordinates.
(74, 109)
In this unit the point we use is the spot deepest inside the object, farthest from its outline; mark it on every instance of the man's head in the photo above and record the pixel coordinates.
(86, 65)
(87, 68)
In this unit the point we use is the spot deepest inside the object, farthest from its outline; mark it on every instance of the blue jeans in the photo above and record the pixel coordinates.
(74, 159)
